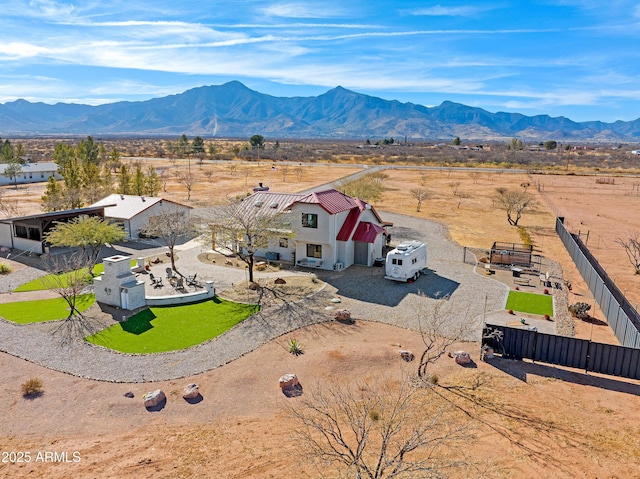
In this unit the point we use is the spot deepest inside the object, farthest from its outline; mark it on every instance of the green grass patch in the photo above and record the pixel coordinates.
(24, 312)
(169, 328)
(41, 284)
(530, 303)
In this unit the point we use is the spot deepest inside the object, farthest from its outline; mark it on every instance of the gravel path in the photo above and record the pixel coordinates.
(364, 291)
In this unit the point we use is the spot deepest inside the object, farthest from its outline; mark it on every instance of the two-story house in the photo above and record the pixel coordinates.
(331, 230)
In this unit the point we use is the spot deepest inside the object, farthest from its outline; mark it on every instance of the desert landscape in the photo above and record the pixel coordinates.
(524, 419)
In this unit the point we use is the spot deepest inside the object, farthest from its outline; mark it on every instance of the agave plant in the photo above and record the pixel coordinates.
(295, 347)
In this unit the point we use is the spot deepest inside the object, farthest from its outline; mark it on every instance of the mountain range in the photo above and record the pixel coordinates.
(233, 110)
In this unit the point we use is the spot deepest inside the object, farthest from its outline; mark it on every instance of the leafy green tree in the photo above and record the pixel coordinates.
(197, 146)
(88, 233)
(212, 150)
(73, 183)
(87, 151)
(20, 153)
(183, 146)
(456, 141)
(7, 153)
(13, 170)
(139, 181)
(113, 160)
(125, 181)
(92, 184)
(152, 182)
(53, 198)
(550, 145)
(257, 142)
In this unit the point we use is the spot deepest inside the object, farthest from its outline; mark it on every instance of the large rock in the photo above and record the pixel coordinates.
(406, 355)
(343, 315)
(462, 357)
(154, 398)
(289, 381)
(191, 391)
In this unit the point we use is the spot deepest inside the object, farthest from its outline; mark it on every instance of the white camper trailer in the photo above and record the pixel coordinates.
(406, 261)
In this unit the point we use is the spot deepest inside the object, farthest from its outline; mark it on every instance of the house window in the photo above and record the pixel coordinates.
(284, 242)
(314, 251)
(27, 233)
(309, 220)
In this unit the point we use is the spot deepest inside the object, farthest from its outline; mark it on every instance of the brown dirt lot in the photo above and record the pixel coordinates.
(530, 420)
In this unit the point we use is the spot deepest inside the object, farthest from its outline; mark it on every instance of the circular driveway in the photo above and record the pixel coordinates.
(451, 289)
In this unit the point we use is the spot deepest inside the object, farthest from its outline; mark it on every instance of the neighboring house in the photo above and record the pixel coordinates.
(27, 233)
(332, 230)
(31, 173)
(134, 212)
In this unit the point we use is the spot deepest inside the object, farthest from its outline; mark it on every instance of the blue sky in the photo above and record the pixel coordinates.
(573, 58)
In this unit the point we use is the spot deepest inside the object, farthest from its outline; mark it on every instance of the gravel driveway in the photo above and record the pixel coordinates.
(363, 291)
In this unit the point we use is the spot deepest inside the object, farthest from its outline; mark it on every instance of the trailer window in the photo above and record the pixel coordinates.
(399, 262)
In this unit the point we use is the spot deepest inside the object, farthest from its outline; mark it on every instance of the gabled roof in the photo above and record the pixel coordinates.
(367, 232)
(269, 202)
(128, 206)
(332, 201)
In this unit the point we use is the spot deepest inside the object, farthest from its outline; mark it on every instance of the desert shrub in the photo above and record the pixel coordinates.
(434, 379)
(32, 387)
(295, 347)
(580, 310)
(5, 268)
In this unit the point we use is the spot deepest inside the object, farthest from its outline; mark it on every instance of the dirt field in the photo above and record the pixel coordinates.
(530, 421)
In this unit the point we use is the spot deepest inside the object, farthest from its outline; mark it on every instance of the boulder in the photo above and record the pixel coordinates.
(128, 394)
(154, 398)
(406, 355)
(343, 315)
(289, 381)
(280, 281)
(191, 391)
(462, 357)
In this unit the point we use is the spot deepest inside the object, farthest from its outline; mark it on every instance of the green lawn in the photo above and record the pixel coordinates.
(24, 312)
(41, 284)
(530, 303)
(170, 328)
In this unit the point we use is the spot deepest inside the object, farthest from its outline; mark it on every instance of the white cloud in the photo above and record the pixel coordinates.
(299, 10)
(440, 11)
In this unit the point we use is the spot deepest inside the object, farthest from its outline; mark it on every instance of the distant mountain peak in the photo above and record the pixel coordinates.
(234, 110)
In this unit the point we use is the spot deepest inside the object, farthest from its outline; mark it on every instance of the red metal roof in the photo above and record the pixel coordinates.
(331, 200)
(349, 224)
(367, 232)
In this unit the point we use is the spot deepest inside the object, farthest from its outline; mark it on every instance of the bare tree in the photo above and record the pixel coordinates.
(474, 175)
(631, 247)
(284, 169)
(299, 172)
(420, 194)
(461, 195)
(515, 203)
(375, 432)
(8, 207)
(232, 168)
(246, 173)
(68, 277)
(245, 228)
(170, 225)
(440, 327)
(188, 180)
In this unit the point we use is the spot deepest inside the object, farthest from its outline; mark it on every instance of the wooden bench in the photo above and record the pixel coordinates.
(522, 281)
